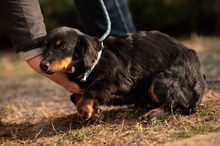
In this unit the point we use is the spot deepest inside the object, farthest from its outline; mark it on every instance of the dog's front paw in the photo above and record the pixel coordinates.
(87, 109)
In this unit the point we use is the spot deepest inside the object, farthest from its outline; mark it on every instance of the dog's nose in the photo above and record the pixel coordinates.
(44, 65)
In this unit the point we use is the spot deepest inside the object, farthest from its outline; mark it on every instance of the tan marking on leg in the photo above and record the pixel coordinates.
(152, 94)
(85, 108)
(76, 98)
(155, 110)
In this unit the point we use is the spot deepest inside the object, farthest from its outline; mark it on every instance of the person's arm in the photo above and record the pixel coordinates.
(59, 78)
(23, 22)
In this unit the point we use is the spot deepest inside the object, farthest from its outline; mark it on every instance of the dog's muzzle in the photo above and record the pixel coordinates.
(44, 65)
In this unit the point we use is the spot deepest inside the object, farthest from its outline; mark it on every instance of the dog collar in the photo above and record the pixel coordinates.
(86, 74)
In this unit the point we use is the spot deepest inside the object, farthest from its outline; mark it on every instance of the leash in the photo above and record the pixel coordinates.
(215, 81)
(101, 39)
(108, 22)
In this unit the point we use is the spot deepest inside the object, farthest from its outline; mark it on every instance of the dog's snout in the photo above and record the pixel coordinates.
(44, 65)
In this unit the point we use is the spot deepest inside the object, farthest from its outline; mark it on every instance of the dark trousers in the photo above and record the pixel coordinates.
(94, 21)
(23, 20)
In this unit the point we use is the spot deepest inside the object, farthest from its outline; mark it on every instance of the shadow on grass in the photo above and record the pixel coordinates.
(54, 126)
(50, 127)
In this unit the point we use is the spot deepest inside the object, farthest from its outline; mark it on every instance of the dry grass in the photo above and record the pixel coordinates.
(35, 111)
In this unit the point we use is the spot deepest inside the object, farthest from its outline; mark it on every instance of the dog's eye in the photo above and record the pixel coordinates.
(63, 47)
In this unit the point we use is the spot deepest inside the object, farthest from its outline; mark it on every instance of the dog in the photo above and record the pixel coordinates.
(147, 68)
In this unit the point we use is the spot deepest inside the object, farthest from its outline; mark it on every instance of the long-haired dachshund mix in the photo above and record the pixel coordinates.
(147, 68)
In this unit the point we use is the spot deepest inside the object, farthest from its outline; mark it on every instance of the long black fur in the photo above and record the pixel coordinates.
(129, 66)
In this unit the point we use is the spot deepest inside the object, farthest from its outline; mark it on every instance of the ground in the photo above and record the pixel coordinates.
(36, 111)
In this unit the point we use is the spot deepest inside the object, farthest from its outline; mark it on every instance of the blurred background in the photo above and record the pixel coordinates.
(196, 23)
(174, 17)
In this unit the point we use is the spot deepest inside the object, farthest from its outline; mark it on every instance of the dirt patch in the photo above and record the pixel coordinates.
(212, 139)
(36, 111)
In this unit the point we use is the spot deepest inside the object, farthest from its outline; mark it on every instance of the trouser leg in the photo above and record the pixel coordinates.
(94, 21)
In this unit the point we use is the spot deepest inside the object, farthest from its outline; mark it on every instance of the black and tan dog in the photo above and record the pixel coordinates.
(146, 67)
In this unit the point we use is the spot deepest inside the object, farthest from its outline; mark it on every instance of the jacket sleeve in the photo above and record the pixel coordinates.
(23, 23)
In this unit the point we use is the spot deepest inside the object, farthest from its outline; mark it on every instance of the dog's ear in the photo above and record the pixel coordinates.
(88, 48)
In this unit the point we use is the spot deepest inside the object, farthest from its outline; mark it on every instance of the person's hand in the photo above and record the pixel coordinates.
(71, 70)
(59, 78)
(68, 85)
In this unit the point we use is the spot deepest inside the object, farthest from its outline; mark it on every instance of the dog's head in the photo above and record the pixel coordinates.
(64, 47)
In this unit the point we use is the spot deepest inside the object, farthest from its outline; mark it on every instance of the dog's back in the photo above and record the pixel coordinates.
(158, 67)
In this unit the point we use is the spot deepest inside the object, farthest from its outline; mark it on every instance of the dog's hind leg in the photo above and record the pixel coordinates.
(164, 94)
(181, 92)
(157, 96)
(158, 112)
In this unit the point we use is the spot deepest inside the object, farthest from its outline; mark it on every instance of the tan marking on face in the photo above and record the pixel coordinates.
(152, 94)
(46, 42)
(57, 66)
(58, 42)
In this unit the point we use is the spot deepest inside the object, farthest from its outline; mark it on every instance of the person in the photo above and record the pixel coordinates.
(94, 20)
(24, 25)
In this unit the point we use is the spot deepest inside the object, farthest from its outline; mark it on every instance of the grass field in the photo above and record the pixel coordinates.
(35, 111)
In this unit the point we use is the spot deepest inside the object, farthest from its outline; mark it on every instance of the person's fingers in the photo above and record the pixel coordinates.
(70, 70)
(74, 88)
